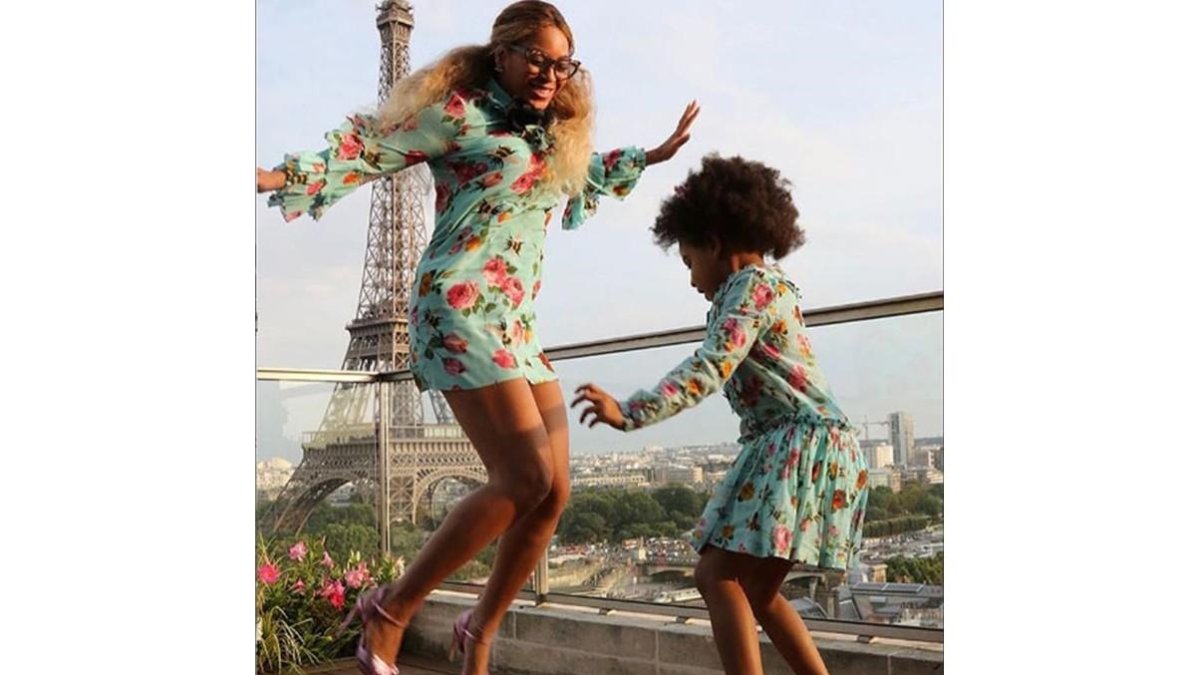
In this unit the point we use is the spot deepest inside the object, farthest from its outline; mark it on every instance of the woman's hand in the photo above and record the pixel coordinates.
(268, 181)
(603, 408)
(670, 146)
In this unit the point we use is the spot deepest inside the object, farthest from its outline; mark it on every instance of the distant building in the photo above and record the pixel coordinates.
(922, 457)
(612, 480)
(919, 604)
(925, 475)
(882, 455)
(683, 475)
(889, 477)
(901, 436)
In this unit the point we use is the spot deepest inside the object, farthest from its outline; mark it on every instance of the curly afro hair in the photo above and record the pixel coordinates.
(743, 204)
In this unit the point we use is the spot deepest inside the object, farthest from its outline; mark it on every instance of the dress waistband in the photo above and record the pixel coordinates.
(801, 418)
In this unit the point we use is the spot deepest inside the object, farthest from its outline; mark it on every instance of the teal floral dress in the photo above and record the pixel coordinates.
(798, 489)
(471, 319)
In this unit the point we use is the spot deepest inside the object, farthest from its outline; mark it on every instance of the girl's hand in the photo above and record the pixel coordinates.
(268, 181)
(670, 146)
(604, 408)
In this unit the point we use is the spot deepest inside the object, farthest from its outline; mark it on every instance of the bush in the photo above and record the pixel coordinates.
(302, 594)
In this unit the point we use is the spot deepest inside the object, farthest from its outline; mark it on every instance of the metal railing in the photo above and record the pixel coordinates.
(541, 593)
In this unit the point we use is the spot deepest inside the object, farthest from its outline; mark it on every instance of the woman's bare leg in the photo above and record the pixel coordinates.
(522, 546)
(505, 426)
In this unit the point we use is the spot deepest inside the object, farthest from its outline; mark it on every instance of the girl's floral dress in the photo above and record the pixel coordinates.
(798, 489)
(471, 320)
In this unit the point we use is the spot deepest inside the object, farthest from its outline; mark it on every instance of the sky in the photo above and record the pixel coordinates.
(843, 98)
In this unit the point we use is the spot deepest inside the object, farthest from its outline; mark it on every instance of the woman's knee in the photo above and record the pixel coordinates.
(527, 485)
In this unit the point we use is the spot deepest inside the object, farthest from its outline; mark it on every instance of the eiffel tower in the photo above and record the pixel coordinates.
(347, 445)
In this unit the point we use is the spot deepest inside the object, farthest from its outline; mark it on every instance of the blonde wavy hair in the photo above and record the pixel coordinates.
(472, 66)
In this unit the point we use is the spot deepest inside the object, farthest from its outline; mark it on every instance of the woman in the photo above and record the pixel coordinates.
(505, 128)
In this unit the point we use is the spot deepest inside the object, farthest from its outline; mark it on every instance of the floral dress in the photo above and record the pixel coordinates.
(798, 489)
(471, 319)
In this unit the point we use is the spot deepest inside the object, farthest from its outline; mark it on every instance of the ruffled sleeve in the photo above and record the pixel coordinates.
(740, 313)
(613, 174)
(359, 151)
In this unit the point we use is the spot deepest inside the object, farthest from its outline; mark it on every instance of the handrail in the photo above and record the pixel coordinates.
(824, 316)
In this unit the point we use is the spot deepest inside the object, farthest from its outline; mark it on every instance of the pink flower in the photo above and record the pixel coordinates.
(610, 160)
(327, 561)
(335, 592)
(350, 147)
(669, 389)
(298, 587)
(769, 350)
(298, 551)
(454, 366)
(268, 573)
(524, 183)
(461, 296)
(504, 359)
(736, 334)
(454, 344)
(514, 290)
(314, 188)
(492, 179)
(531, 176)
(516, 332)
(763, 295)
(359, 576)
(495, 271)
(456, 107)
(798, 379)
(783, 540)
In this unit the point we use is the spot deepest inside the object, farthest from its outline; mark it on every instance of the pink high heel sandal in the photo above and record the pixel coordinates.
(369, 609)
(458, 640)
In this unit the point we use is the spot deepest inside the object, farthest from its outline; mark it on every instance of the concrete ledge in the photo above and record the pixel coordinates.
(561, 640)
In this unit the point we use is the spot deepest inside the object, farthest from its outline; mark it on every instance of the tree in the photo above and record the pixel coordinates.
(902, 569)
(341, 539)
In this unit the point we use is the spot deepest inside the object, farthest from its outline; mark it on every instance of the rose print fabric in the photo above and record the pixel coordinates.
(798, 489)
(471, 321)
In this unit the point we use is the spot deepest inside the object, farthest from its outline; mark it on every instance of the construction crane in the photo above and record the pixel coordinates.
(866, 425)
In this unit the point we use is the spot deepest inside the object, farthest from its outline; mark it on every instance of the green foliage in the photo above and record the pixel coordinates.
(883, 505)
(916, 570)
(302, 593)
(615, 514)
(894, 526)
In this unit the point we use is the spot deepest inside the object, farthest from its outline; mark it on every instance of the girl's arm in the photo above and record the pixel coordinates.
(739, 319)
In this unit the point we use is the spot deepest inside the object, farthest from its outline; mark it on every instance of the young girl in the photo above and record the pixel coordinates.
(798, 490)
